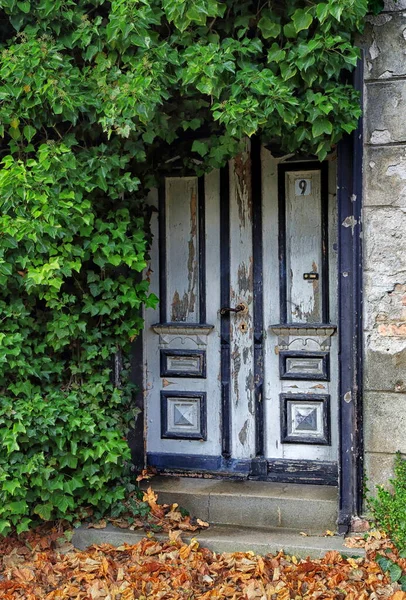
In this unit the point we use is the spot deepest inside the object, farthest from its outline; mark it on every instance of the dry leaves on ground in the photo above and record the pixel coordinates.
(162, 517)
(35, 568)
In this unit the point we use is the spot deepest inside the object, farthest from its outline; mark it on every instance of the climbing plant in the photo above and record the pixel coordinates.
(97, 99)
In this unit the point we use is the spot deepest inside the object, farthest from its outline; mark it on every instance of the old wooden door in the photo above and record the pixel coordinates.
(241, 354)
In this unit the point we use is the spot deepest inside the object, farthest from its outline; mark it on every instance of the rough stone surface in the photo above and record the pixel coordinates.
(393, 5)
(384, 246)
(384, 114)
(385, 46)
(228, 539)
(385, 423)
(385, 176)
(386, 370)
(379, 467)
(384, 226)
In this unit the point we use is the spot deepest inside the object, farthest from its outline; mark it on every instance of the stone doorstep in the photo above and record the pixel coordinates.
(268, 505)
(227, 539)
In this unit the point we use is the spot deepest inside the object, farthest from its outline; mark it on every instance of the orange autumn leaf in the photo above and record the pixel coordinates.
(33, 568)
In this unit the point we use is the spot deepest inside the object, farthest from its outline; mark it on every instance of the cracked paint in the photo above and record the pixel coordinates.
(348, 397)
(242, 436)
(184, 303)
(350, 221)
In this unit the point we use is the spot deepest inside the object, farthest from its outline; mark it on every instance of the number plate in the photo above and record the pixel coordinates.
(303, 187)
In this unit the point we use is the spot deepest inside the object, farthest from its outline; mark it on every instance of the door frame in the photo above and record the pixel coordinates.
(350, 319)
(350, 452)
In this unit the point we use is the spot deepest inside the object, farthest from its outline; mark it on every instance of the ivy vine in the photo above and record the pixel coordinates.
(97, 98)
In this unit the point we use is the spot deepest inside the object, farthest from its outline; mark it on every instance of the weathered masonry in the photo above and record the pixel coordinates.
(278, 350)
(384, 240)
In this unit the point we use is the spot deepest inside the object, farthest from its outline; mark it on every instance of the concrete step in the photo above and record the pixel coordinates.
(227, 539)
(308, 508)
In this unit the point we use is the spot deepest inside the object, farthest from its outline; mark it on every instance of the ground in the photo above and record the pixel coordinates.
(43, 565)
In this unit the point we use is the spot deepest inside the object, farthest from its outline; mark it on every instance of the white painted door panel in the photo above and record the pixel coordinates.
(183, 335)
(309, 398)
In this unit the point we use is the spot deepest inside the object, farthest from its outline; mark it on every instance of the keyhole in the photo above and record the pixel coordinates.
(303, 186)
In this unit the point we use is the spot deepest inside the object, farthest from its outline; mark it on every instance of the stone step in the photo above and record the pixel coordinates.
(254, 504)
(227, 539)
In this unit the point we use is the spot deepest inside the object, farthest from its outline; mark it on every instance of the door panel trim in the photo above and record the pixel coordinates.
(258, 304)
(225, 319)
(201, 212)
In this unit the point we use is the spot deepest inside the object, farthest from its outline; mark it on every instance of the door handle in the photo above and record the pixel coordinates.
(228, 309)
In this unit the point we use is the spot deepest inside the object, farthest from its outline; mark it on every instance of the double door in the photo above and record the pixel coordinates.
(241, 354)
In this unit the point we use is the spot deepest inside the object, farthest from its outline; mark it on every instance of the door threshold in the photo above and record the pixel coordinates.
(216, 467)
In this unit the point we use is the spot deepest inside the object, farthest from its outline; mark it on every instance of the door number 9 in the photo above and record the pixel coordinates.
(303, 187)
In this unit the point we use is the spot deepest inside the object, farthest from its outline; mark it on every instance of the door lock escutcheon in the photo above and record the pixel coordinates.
(240, 308)
(312, 276)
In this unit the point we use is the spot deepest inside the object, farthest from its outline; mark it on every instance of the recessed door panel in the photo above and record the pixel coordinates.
(303, 231)
(182, 249)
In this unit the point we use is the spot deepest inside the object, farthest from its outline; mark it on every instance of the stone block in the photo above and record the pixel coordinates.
(385, 46)
(384, 422)
(385, 107)
(378, 470)
(374, 292)
(227, 539)
(295, 513)
(385, 176)
(385, 370)
(395, 5)
(384, 245)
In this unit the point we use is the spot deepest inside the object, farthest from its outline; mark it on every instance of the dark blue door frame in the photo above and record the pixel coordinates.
(349, 197)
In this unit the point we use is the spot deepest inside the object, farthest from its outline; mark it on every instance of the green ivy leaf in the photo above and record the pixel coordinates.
(25, 6)
(5, 527)
(289, 30)
(269, 28)
(321, 126)
(200, 147)
(44, 511)
(395, 571)
(301, 20)
(29, 132)
(322, 11)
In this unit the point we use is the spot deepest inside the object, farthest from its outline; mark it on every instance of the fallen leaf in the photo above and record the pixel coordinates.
(98, 525)
(202, 523)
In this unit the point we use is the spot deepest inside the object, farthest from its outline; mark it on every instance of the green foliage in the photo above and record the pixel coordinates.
(389, 505)
(144, 73)
(394, 570)
(96, 97)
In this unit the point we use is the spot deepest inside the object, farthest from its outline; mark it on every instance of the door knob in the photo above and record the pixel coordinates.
(228, 309)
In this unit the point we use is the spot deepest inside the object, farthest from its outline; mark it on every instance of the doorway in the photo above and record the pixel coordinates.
(241, 357)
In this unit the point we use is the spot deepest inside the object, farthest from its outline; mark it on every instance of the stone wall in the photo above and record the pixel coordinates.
(384, 226)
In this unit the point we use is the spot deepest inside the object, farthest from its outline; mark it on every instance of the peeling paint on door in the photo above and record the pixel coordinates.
(241, 324)
(182, 248)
